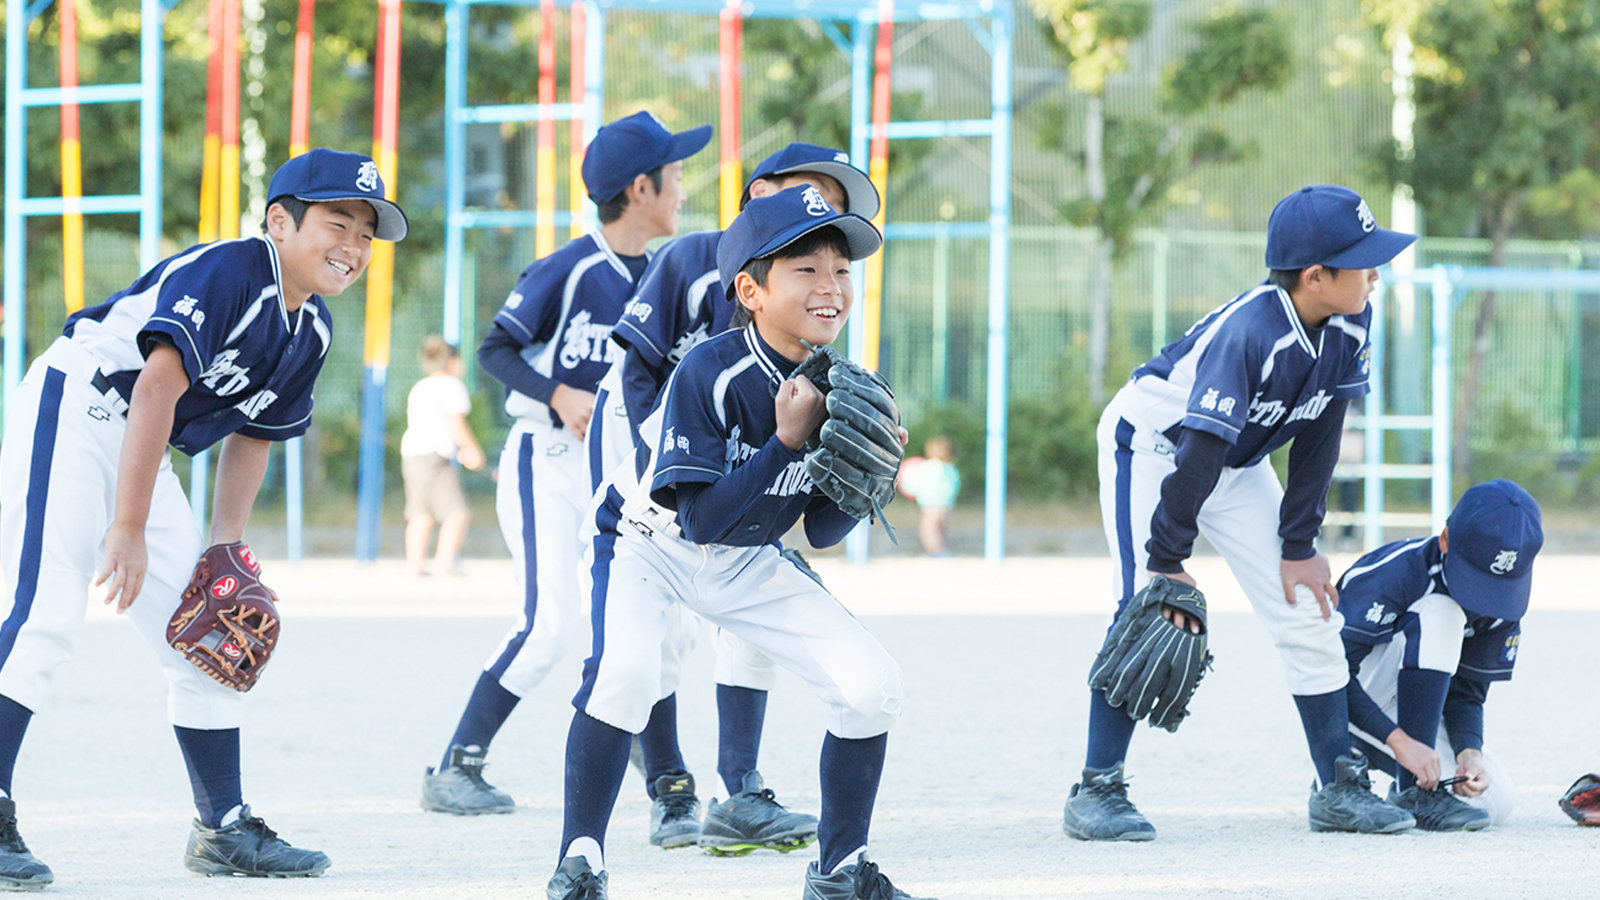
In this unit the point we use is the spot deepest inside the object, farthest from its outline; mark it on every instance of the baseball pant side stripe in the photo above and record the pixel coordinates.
(605, 549)
(44, 448)
(595, 440)
(1124, 457)
(530, 557)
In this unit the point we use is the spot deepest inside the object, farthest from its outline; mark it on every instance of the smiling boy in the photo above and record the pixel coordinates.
(721, 479)
(221, 342)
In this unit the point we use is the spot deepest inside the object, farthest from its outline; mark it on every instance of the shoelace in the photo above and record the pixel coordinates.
(585, 887)
(10, 837)
(767, 796)
(474, 773)
(1114, 794)
(872, 884)
(677, 805)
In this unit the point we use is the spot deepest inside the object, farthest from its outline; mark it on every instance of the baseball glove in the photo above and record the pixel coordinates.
(1149, 666)
(1582, 800)
(227, 620)
(855, 454)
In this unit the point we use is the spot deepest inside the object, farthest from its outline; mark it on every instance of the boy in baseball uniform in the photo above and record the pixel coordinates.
(1183, 450)
(549, 346)
(1429, 625)
(220, 343)
(680, 303)
(720, 478)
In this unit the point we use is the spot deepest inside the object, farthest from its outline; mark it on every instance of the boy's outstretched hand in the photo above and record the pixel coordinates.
(800, 409)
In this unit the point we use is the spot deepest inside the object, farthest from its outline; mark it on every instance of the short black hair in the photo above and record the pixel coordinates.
(611, 210)
(759, 268)
(294, 206)
(1289, 279)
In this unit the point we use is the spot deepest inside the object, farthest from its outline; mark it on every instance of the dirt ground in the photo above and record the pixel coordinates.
(374, 667)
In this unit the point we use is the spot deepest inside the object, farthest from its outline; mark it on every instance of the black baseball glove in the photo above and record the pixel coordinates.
(1149, 666)
(855, 455)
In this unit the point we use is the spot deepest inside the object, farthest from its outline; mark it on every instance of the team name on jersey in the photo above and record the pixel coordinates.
(226, 379)
(736, 451)
(686, 343)
(587, 340)
(1268, 412)
(791, 481)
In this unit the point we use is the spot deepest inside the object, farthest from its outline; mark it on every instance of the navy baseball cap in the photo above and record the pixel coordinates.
(860, 194)
(768, 224)
(323, 175)
(1331, 226)
(632, 146)
(1495, 533)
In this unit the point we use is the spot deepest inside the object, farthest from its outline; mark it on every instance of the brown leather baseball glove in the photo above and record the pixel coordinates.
(227, 621)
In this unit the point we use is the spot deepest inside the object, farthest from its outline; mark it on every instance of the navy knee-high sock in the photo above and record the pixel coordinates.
(487, 709)
(1110, 733)
(851, 770)
(212, 756)
(14, 718)
(1326, 719)
(1420, 703)
(597, 758)
(659, 741)
(741, 713)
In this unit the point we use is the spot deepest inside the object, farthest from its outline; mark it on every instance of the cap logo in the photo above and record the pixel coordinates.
(1365, 215)
(367, 177)
(1504, 561)
(815, 204)
(841, 156)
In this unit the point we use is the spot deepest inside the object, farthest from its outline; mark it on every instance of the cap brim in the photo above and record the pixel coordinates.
(392, 222)
(860, 194)
(861, 237)
(1482, 594)
(687, 143)
(1372, 251)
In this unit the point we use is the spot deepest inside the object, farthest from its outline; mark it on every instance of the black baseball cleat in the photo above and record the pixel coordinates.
(859, 880)
(574, 880)
(675, 812)
(1350, 805)
(248, 847)
(752, 820)
(1439, 810)
(18, 867)
(459, 789)
(1098, 809)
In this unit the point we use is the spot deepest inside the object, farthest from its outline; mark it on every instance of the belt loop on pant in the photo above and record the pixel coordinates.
(114, 397)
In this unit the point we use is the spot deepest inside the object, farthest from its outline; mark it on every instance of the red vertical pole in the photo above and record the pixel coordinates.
(878, 169)
(300, 99)
(579, 92)
(730, 37)
(544, 235)
(211, 165)
(71, 165)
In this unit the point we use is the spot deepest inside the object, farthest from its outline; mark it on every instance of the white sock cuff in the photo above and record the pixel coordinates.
(589, 849)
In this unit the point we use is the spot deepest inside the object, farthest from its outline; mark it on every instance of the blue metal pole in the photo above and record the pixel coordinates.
(151, 16)
(455, 82)
(994, 514)
(15, 184)
(369, 488)
(293, 474)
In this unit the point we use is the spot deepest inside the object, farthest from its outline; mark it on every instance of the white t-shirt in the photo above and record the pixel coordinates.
(430, 406)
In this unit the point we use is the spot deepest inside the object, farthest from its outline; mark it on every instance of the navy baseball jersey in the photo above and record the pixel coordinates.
(1377, 592)
(679, 302)
(1251, 373)
(251, 363)
(562, 311)
(715, 415)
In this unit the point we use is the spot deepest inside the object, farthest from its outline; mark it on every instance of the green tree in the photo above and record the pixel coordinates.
(1130, 162)
(1507, 94)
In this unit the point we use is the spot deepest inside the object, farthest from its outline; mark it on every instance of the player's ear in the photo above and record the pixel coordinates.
(642, 188)
(279, 223)
(761, 187)
(746, 291)
(1444, 539)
